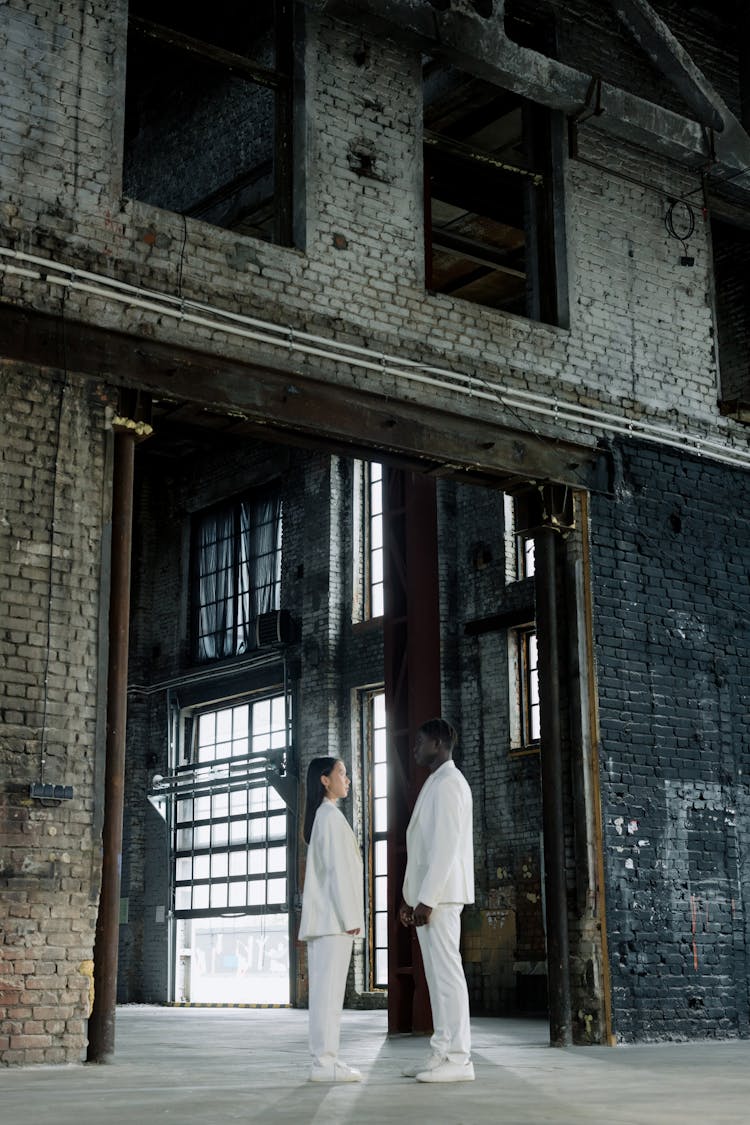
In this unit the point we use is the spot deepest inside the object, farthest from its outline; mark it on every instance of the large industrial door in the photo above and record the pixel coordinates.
(230, 823)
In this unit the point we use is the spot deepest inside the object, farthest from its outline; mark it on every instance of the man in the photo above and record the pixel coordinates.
(439, 880)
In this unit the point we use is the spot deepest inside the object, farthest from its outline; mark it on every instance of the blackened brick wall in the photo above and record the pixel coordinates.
(670, 556)
(503, 938)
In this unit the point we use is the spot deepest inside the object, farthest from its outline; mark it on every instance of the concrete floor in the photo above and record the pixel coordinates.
(215, 1066)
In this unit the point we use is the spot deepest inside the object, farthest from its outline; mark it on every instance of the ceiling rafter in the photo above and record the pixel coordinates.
(482, 47)
(676, 64)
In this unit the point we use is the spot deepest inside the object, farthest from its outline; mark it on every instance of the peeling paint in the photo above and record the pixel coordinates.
(86, 969)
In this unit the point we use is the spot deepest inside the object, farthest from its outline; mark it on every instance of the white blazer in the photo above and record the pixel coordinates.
(439, 841)
(333, 896)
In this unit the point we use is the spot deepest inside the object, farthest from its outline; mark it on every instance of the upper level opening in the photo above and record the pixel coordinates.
(208, 112)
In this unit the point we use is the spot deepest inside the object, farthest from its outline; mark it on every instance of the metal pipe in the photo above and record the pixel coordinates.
(558, 961)
(399, 368)
(102, 1022)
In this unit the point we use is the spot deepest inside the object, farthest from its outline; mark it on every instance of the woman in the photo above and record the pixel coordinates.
(332, 913)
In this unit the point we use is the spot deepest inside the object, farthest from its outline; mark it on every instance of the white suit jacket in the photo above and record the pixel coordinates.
(440, 841)
(333, 896)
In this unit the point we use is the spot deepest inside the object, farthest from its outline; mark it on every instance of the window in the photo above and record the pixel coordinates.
(224, 801)
(375, 772)
(236, 574)
(369, 598)
(526, 557)
(208, 112)
(525, 709)
(229, 827)
(489, 233)
(731, 254)
(519, 550)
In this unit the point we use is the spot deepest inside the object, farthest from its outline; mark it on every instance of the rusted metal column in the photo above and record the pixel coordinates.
(412, 693)
(102, 1022)
(558, 966)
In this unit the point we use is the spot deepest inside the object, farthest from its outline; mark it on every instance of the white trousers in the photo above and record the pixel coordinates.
(449, 996)
(327, 966)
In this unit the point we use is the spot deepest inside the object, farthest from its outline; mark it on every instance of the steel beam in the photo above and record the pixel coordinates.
(411, 638)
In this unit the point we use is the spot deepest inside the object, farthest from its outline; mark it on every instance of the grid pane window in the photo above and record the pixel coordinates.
(375, 773)
(368, 536)
(229, 825)
(526, 558)
(528, 674)
(237, 574)
(375, 519)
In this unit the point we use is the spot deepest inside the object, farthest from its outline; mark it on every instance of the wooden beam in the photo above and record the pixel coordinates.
(227, 60)
(279, 401)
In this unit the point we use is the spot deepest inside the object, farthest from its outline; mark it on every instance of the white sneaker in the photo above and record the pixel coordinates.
(429, 1063)
(336, 1072)
(447, 1071)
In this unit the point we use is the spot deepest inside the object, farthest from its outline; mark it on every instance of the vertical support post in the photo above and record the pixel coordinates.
(558, 971)
(283, 121)
(412, 692)
(102, 1022)
(743, 45)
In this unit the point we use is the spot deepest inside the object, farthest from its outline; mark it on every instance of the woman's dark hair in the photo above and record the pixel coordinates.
(315, 791)
(442, 731)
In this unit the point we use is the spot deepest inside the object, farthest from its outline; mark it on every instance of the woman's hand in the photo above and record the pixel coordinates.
(353, 932)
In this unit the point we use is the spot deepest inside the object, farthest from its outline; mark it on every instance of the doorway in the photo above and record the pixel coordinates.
(229, 858)
(233, 753)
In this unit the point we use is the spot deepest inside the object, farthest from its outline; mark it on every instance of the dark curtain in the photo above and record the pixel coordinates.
(216, 586)
(239, 574)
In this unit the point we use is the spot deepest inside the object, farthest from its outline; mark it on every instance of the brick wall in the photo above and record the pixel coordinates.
(639, 344)
(52, 511)
(503, 935)
(359, 274)
(669, 560)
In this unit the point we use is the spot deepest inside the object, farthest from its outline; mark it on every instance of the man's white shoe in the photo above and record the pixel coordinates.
(432, 1061)
(336, 1072)
(447, 1071)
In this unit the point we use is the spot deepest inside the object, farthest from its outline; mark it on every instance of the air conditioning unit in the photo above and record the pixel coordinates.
(273, 628)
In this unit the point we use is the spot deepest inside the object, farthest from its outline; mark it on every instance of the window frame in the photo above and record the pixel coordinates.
(232, 505)
(279, 78)
(525, 706)
(373, 869)
(733, 392)
(205, 779)
(368, 603)
(545, 298)
(520, 552)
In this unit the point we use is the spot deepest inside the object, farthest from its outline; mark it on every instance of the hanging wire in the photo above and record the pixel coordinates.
(527, 426)
(680, 220)
(52, 536)
(680, 223)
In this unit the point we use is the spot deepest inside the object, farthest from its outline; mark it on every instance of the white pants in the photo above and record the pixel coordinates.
(449, 997)
(327, 966)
